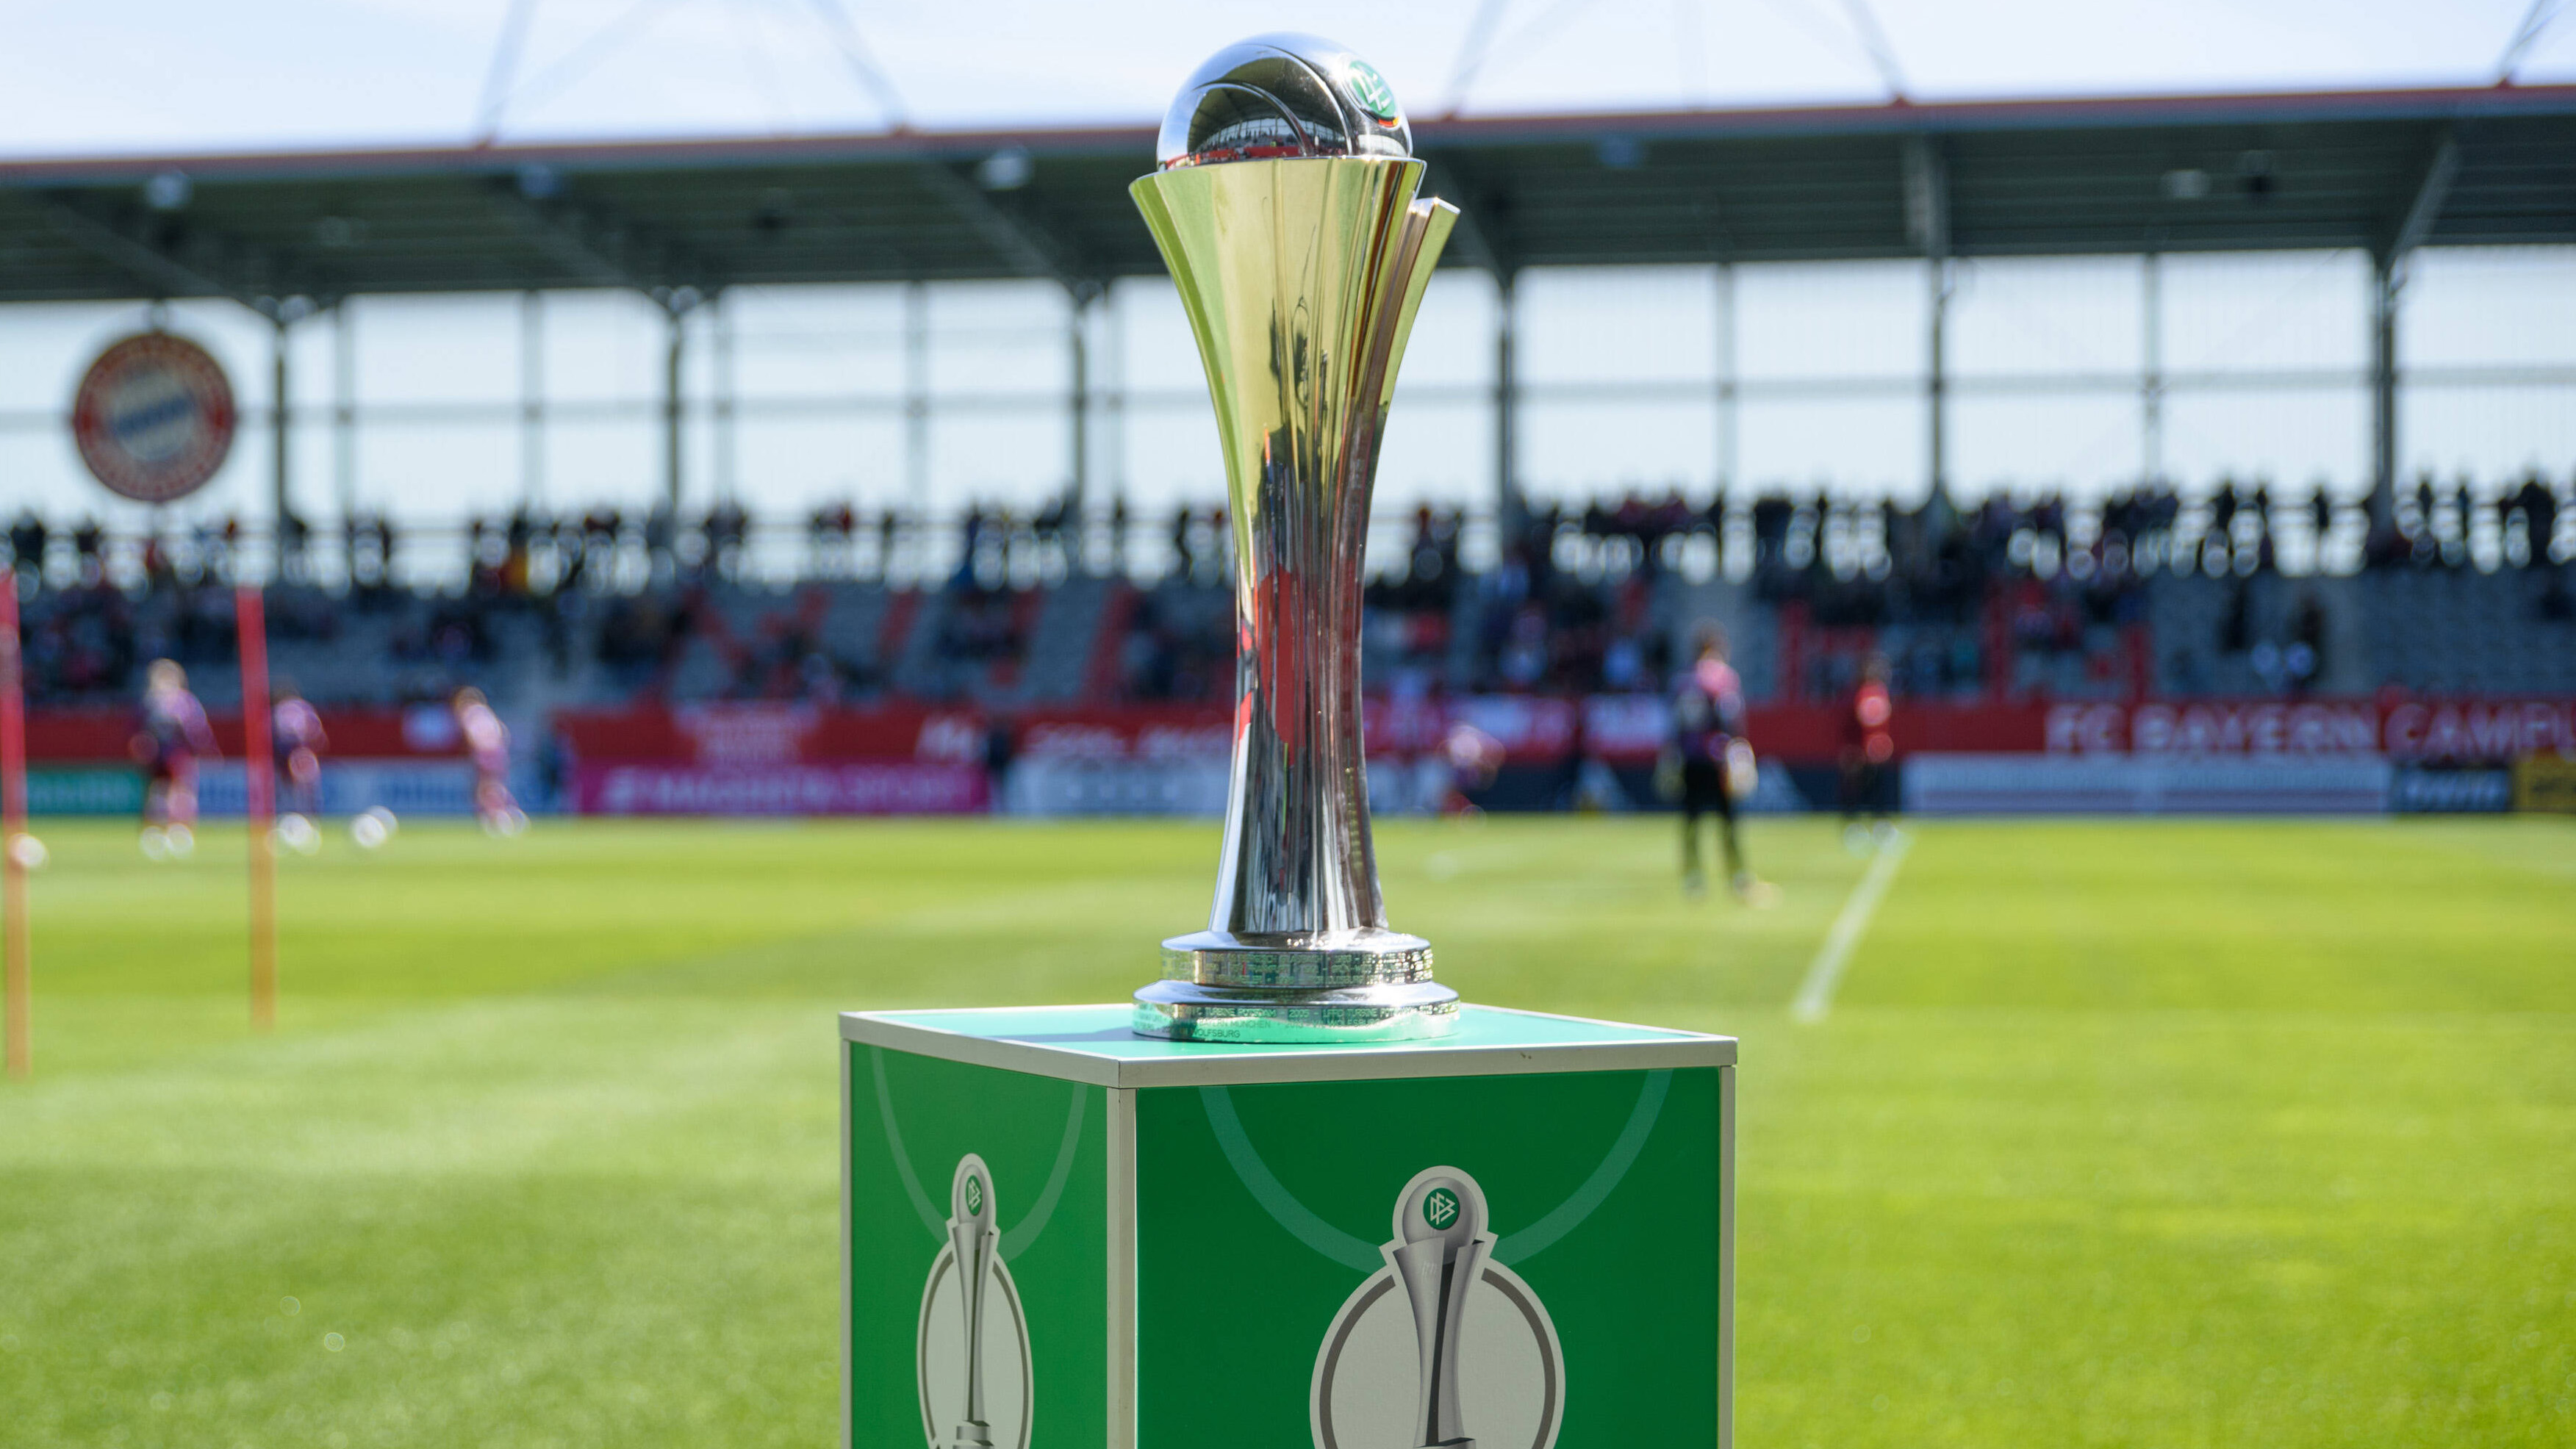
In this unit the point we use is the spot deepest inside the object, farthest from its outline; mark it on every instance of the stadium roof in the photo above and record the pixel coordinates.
(2383, 170)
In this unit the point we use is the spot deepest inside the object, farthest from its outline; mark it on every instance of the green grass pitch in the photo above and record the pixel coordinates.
(2165, 1134)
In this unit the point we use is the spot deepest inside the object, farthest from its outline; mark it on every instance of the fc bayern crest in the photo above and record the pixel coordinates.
(154, 417)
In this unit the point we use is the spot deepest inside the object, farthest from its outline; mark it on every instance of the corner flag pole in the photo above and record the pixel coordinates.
(259, 763)
(17, 945)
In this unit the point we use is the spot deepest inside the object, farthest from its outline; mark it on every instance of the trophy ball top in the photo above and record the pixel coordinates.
(1441, 1205)
(1282, 95)
(970, 1196)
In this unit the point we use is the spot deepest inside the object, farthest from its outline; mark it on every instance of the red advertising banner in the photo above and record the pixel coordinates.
(885, 787)
(98, 736)
(771, 733)
(1532, 730)
(2397, 728)
(1124, 732)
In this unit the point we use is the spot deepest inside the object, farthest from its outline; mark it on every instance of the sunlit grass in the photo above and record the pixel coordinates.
(2168, 1133)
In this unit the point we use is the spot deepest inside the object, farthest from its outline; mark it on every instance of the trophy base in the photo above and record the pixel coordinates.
(1370, 986)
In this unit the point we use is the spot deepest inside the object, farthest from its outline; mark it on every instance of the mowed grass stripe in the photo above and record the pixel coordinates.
(2129, 1133)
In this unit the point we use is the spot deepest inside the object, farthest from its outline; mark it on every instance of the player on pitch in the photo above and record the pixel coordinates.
(487, 744)
(1868, 748)
(295, 734)
(1709, 763)
(173, 736)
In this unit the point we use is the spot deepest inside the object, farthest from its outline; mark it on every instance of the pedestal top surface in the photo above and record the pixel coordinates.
(1094, 1044)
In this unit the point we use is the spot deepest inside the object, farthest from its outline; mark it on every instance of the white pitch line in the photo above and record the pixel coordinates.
(1816, 993)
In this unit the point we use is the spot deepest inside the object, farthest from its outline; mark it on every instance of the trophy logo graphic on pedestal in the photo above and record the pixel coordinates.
(1443, 1348)
(1285, 207)
(1441, 1222)
(972, 1358)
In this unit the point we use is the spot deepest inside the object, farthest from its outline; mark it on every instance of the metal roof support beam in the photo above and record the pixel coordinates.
(916, 417)
(344, 421)
(281, 456)
(2151, 371)
(601, 249)
(1927, 219)
(290, 532)
(674, 357)
(1031, 248)
(1078, 406)
(728, 450)
(2387, 288)
(2431, 191)
(1476, 238)
(532, 397)
(1726, 439)
(1479, 245)
(2387, 279)
(1511, 511)
(259, 278)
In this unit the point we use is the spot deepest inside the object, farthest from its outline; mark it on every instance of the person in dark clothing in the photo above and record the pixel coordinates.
(2539, 505)
(999, 751)
(1710, 762)
(1868, 750)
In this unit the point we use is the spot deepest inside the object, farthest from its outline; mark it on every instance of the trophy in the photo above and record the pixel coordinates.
(1439, 1252)
(975, 1240)
(1285, 208)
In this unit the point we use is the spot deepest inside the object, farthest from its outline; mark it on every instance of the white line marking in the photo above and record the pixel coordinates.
(1816, 993)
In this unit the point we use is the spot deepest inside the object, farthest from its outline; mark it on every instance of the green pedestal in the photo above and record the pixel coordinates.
(1190, 1244)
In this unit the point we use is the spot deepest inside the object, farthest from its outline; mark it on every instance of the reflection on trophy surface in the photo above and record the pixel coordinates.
(1285, 207)
(974, 1238)
(1439, 1253)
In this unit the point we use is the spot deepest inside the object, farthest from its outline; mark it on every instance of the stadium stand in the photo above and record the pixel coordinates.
(2012, 601)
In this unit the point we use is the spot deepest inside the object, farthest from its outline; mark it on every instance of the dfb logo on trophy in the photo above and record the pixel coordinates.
(1443, 1348)
(972, 1358)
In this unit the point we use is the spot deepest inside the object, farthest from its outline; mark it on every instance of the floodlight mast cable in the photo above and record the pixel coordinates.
(504, 69)
(863, 63)
(1480, 46)
(2525, 36)
(602, 43)
(1873, 42)
(1471, 52)
(502, 87)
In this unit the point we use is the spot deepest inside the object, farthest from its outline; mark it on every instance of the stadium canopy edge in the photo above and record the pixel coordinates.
(2031, 176)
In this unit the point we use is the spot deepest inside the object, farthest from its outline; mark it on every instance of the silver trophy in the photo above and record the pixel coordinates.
(1285, 207)
(1439, 1253)
(975, 1241)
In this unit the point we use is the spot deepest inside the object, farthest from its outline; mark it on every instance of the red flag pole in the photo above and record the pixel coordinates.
(260, 764)
(17, 947)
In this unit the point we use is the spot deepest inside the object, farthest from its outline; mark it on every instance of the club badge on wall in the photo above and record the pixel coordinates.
(153, 417)
(972, 1358)
(1443, 1348)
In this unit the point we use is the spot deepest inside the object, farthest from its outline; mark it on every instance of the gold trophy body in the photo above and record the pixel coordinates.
(1287, 211)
